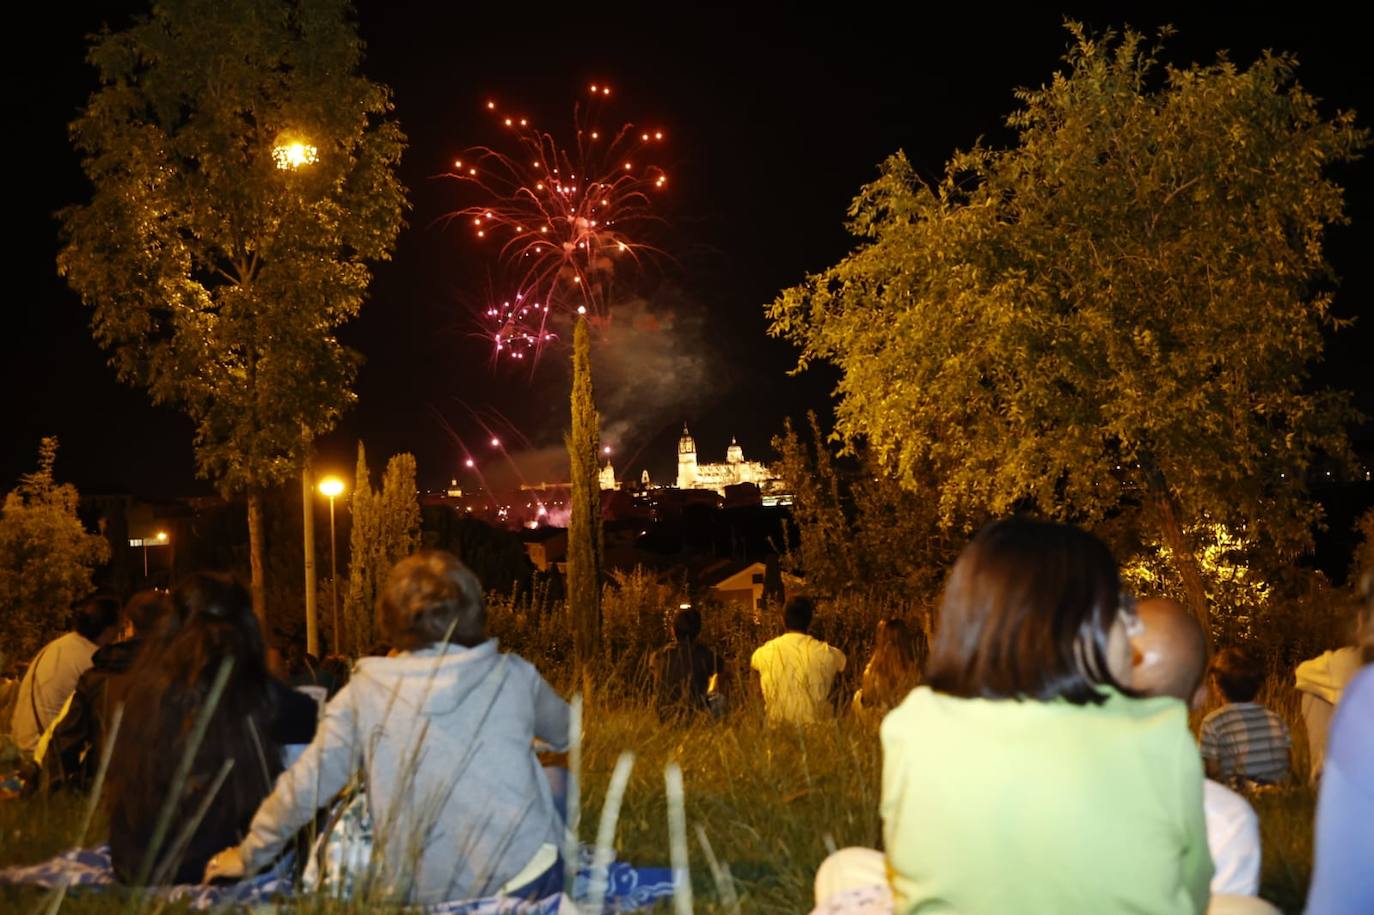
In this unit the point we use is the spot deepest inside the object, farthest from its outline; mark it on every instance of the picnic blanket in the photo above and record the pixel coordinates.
(88, 869)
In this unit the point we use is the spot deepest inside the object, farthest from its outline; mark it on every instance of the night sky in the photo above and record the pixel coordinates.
(774, 117)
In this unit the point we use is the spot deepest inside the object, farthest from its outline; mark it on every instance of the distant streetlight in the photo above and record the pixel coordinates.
(333, 487)
(161, 539)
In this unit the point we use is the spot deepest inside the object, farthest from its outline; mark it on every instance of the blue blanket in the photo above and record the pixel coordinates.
(628, 887)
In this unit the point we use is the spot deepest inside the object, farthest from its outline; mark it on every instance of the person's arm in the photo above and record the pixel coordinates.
(1210, 750)
(322, 772)
(552, 715)
(1196, 862)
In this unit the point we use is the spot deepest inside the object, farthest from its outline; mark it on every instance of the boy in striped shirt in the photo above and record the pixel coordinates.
(1243, 741)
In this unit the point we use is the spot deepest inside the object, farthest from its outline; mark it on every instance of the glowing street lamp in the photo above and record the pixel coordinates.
(161, 539)
(333, 487)
(292, 154)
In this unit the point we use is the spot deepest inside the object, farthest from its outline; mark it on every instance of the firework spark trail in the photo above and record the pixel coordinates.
(561, 218)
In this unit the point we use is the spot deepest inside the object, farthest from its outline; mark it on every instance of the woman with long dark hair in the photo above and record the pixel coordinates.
(166, 692)
(899, 653)
(1024, 776)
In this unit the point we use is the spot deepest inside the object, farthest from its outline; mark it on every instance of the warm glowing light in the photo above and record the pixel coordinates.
(644, 137)
(491, 106)
(331, 486)
(582, 309)
(595, 135)
(294, 154)
(161, 536)
(593, 87)
(457, 163)
(495, 442)
(469, 463)
(658, 135)
(508, 122)
(606, 449)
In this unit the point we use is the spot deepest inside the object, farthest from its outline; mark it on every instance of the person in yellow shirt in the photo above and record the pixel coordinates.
(796, 672)
(1024, 776)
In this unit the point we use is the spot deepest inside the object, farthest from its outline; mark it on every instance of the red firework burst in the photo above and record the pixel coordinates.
(561, 219)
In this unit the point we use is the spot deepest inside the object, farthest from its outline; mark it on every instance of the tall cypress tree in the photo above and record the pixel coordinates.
(584, 523)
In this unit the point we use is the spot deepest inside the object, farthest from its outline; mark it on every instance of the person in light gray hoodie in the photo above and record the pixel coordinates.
(443, 733)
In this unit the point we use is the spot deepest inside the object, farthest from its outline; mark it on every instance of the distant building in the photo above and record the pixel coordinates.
(735, 470)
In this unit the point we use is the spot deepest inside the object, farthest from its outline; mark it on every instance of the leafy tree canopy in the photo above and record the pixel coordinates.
(1123, 303)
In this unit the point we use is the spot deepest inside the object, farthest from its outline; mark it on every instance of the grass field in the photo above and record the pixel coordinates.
(770, 803)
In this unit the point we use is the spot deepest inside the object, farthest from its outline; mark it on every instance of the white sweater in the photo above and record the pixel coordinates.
(444, 735)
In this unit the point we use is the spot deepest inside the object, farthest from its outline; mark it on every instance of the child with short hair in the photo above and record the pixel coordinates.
(1243, 741)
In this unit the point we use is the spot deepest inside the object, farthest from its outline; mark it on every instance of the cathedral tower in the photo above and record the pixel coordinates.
(686, 460)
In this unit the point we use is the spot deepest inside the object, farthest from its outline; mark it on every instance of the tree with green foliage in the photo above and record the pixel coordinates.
(46, 556)
(584, 521)
(857, 529)
(244, 178)
(385, 530)
(1115, 314)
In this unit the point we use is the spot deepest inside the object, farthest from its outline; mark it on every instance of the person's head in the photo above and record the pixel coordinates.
(1170, 651)
(148, 612)
(687, 624)
(1032, 610)
(1237, 674)
(431, 597)
(797, 614)
(96, 619)
(894, 640)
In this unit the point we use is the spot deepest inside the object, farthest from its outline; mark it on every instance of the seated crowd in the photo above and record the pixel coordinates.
(1036, 753)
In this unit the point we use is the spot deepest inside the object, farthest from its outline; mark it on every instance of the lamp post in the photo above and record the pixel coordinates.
(161, 538)
(332, 487)
(312, 620)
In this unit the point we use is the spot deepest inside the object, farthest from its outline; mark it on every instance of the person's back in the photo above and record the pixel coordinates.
(682, 674)
(72, 754)
(1022, 777)
(443, 732)
(52, 677)
(164, 694)
(1024, 806)
(458, 798)
(797, 672)
(1242, 740)
(1319, 682)
(1169, 659)
(683, 668)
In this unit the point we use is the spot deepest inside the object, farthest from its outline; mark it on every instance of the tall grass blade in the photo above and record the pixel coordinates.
(677, 839)
(605, 831)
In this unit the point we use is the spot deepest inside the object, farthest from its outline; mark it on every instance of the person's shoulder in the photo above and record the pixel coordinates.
(1360, 689)
(1222, 803)
(1222, 714)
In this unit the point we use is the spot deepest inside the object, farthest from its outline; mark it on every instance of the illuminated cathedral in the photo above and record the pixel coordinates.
(691, 475)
